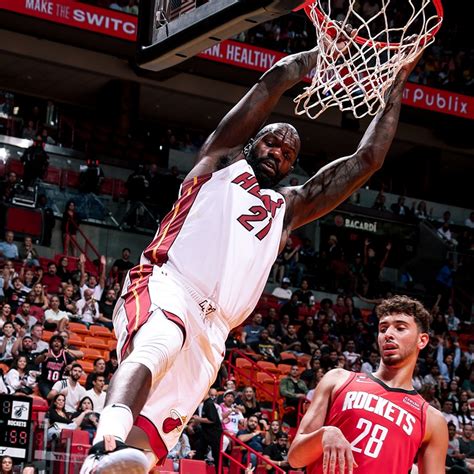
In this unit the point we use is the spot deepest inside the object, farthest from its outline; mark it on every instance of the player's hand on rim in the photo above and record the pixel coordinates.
(337, 452)
(343, 40)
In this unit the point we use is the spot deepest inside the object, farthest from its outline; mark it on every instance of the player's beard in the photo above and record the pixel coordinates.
(264, 180)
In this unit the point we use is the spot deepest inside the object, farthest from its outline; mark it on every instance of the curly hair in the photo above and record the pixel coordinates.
(409, 306)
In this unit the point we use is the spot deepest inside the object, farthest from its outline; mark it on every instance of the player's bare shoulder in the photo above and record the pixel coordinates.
(436, 426)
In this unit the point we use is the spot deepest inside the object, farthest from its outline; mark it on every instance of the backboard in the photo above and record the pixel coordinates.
(171, 31)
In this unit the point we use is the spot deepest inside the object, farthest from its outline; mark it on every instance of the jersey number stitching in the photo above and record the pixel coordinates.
(378, 433)
(259, 214)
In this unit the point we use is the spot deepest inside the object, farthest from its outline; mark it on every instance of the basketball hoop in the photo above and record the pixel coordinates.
(386, 39)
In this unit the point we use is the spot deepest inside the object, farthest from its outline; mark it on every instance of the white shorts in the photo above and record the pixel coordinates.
(151, 292)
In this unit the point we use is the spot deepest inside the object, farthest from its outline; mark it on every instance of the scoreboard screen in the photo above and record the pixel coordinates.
(15, 426)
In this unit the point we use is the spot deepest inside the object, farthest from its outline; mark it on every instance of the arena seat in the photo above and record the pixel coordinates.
(167, 467)
(269, 366)
(90, 353)
(87, 366)
(112, 343)
(53, 176)
(4, 368)
(303, 360)
(47, 335)
(100, 331)
(79, 328)
(192, 466)
(76, 340)
(288, 357)
(96, 343)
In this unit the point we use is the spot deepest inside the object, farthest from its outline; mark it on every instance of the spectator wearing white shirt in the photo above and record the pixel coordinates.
(371, 364)
(6, 342)
(70, 388)
(447, 412)
(18, 379)
(54, 318)
(96, 393)
(90, 282)
(39, 345)
(350, 354)
(283, 292)
(24, 314)
(452, 321)
(87, 308)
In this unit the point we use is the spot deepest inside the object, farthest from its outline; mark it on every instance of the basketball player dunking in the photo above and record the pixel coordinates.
(374, 424)
(206, 268)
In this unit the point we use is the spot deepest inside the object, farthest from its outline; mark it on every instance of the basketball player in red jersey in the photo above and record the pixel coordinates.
(207, 266)
(377, 423)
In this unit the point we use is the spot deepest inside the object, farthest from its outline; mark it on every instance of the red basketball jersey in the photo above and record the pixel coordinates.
(384, 425)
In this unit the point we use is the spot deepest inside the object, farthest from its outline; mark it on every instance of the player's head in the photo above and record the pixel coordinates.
(273, 152)
(403, 330)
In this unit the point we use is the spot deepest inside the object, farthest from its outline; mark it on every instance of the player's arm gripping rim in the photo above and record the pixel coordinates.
(314, 440)
(336, 181)
(432, 455)
(225, 145)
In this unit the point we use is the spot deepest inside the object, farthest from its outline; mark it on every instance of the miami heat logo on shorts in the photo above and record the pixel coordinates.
(173, 422)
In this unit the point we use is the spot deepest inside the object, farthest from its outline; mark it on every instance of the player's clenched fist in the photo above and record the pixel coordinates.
(336, 452)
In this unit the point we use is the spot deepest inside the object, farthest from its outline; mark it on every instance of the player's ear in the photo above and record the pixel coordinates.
(423, 340)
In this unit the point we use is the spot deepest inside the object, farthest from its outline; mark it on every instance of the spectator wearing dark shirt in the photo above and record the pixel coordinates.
(291, 308)
(122, 265)
(252, 437)
(211, 430)
(63, 272)
(106, 309)
(399, 208)
(35, 161)
(250, 403)
(267, 350)
(100, 368)
(66, 300)
(69, 225)
(15, 294)
(304, 294)
(278, 452)
(290, 341)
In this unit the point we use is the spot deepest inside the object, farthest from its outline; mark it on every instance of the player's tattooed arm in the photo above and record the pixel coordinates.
(432, 455)
(246, 118)
(336, 181)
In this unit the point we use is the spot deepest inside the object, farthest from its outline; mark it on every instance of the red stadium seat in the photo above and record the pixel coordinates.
(192, 466)
(91, 354)
(96, 343)
(79, 328)
(100, 331)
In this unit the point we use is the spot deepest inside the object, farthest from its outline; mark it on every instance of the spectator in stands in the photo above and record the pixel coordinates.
(251, 332)
(19, 379)
(421, 212)
(69, 225)
(452, 321)
(39, 297)
(466, 442)
(63, 272)
(90, 420)
(35, 161)
(454, 458)
(112, 363)
(371, 364)
(272, 432)
(90, 281)
(446, 362)
(182, 450)
(8, 249)
(250, 403)
(106, 309)
(23, 347)
(373, 267)
(7, 340)
(91, 176)
(66, 301)
(73, 350)
(15, 293)
(54, 318)
(267, 350)
(231, 415)
(96, 393)
(5, 314)
(469, 222)
(444, 282)
(283, 292)
(52, 282)
(122, 265)
(399, 208)
(306, 258)
(28, 253)
(379, 203)
(29, 132)
(293, 389)
(137, 187)
(211, 429)
(350, 352)
(444, 232)
(70, 388)
(28, 277)
(304, 294)
(6, 465)
(290, 341)
(291, 308)
(252, 437)
(464, 414)
(53, 364)
(100, 368)
(290, 261)
(278, 452)
(26, 317)
(39, 346)
(87, 309)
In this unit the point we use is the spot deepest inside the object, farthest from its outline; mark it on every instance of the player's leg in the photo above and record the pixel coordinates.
(155, 347)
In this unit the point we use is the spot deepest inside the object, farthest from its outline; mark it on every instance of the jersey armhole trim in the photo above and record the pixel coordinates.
(342, 387)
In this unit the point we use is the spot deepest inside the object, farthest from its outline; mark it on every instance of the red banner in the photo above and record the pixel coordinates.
(260, 59)
(78, 15)
(120, 25)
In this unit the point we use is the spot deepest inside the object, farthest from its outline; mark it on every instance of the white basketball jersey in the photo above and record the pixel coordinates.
(222, 237)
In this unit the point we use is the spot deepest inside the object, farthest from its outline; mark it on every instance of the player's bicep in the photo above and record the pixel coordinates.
(432, 456)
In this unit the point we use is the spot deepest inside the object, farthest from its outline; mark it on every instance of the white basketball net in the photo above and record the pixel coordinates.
(358, 80)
